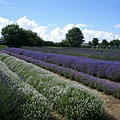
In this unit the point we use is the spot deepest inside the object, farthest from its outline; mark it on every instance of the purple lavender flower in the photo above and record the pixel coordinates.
(98, 68)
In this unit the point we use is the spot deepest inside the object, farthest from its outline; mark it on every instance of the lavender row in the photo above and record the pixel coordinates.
(108, 87)
(91, 53)
(72, 100)
(11, 98)
(98, 68)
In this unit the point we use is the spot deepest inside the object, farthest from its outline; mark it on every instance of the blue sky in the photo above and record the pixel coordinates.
(52, 19)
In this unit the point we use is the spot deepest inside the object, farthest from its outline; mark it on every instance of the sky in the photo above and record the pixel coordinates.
(52, 19)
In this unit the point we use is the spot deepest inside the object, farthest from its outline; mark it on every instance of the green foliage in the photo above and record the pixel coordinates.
(11, 34)
(74, 37)
(2, 47)
(115, 42)
(48, 43)
(19, 100)
(15, 36)
(95, 41)
(11, 101)
(64, 43)
(104, 43)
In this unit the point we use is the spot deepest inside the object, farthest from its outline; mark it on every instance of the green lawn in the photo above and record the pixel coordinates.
(2, 47)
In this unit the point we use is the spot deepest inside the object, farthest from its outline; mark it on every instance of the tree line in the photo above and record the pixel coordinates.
(114, 44)
(13, 35)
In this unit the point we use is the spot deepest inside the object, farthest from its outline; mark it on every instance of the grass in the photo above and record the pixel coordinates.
(2, 47)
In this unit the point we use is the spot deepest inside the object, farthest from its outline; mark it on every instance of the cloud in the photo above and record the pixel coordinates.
(90, 34)
(32, 25)
(117, 26)
(26, 23)
(57, 34)
(4, 22)
(10, 7)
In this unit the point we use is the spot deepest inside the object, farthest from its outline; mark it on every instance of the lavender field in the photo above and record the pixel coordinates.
(89, 52)
(42, 92)
(69, 98)
(102, 75)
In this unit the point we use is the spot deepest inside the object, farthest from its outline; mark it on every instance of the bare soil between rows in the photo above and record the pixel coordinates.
(111, 106)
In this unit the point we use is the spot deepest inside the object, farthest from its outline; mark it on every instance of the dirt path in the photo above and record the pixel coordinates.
(111, 105)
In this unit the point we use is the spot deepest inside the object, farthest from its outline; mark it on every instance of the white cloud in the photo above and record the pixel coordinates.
(26, 23)
(57, 34)
(4, 22)
(40, 30)
(10, 7)
(117, 26)
(67, 27)
(90, 34)
(32, 25)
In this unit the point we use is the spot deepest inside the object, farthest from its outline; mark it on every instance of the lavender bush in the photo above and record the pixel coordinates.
(11, 101)
(107, 87)
(71, 99)
(25, 102)
(91, 53)
(98, 68)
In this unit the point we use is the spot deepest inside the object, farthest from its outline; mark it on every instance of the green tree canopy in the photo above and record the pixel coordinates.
(115, 42)
(11, 34)
(74, 37)
(104, 43)
(48, 43)
(95, 41)
(15, 36)
(31, 39)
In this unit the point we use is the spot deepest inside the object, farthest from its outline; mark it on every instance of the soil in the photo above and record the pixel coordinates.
(111, 106)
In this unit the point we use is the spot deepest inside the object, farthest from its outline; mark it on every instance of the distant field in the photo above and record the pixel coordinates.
(2, 47)
(87, 52)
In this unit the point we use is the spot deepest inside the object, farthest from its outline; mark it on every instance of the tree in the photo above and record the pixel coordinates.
(115, 44)
(74, 37)
(64, 43)
(90, 43)
(48, 43)
(31, 39)
(15, 36)
(104, 43)
(11, 34)
(95, 42)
